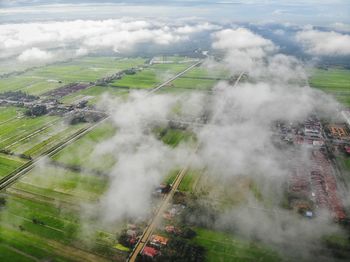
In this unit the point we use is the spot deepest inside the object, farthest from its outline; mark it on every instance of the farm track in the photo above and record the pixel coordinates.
(174, 77)
(147, 233)
(19, 172)
(38, 131)
(24, 169)
(158, 215)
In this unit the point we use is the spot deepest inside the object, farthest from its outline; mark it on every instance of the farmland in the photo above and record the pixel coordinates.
(52, 212)
(335, 81)
(223, 247)
(81, 153)
(44, 79)
(45, 206)
(151, 76)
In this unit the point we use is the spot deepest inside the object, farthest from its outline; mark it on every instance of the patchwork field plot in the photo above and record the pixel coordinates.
(334, 81)
(9, 164)
(80, 153)
(43, 217)
(151, 76)
(193, 83)
(43, 79)
(223, 247)
(93, 94)
(12, 131)
(208, 73)
(198, 78)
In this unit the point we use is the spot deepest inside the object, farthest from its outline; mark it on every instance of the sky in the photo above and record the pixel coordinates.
(321, 12)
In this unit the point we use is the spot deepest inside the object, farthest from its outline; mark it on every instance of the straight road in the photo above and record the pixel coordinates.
(158, 215)
(173, 78)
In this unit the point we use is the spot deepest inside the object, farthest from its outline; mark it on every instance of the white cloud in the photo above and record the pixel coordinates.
(84, 36)
(324, 43)
(188, 29)
(35, 55)
(243, 49)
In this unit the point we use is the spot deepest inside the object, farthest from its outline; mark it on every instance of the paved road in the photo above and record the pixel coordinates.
(165, 202)
(11, 178)
(173, 78)
(158, 215)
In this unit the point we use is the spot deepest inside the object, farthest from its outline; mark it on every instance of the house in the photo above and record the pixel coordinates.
(156, 239)
(150, 252)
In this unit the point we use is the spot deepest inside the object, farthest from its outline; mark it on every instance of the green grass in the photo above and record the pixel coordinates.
(173, 137)
(17, 129)
(334, 81)
(189, 180)
(44, 79)
(62, 184)
(40, 143)
(331, 79)
(212, 73)
(93, 94)
(80, 152)
(144, 79)
(9, 254)
(224, 247)
(7, 165)
(193, 83)
(150, 77)
(9, 113)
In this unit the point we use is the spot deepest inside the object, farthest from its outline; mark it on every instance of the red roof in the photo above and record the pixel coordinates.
(149, 251)
(347, 149)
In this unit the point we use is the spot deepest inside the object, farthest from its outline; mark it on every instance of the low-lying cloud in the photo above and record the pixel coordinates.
(29, 41)
(321, 43)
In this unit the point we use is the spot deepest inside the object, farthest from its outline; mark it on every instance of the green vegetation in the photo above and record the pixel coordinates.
(42, 216)
(188, 182)
(93, 94)
(208, 73)
(43, 79)
(224, 247)
(9, 113)
(193, 83)
(7, 165)
(334, 81)
(173, 137)
(12, 131)
(151, 76)
(80, 152)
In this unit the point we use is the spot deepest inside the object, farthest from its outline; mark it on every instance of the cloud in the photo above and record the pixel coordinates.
(35, 55)
(321, 43)
(239, 143)
(188, 29)
(341, 26)
(143, 161)
(85, 36)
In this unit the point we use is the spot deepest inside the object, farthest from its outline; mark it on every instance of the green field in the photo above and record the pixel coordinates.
(80, 153)
(334, 81)
(8, 164)
(151, 76)
(42, 217)
(93, 94)
(189, 181)
(19, 128)
(208, 73)
(193, 83)
(43, 79)
(222, 247)
(173, 137)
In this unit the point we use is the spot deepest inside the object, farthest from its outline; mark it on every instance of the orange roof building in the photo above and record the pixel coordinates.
(159, 240)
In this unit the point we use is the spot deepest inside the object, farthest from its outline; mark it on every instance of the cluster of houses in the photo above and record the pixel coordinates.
(312, 184)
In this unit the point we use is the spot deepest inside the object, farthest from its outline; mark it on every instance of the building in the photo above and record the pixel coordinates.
(150, 252)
